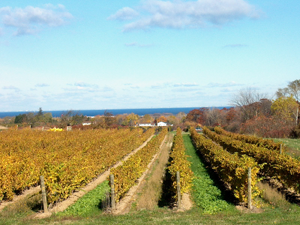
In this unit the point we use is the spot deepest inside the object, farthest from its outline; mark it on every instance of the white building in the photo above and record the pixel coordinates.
(146, 125)
(162, 124)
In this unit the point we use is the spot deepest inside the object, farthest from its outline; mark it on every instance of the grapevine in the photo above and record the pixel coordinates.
(180, 163)
(231, 168)
(67, 160)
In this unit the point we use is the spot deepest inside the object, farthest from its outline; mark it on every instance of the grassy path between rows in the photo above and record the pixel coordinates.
(293, 146)
(205, 193)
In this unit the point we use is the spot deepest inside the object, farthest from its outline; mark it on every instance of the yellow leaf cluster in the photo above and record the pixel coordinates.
(126, 174)
(280, 166)
(180, 163)
(67, 160)
(231, 168)
(285, 108)
(267, 143)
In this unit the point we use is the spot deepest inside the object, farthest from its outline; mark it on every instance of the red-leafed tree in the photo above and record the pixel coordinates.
(197, 115)
(230, 115)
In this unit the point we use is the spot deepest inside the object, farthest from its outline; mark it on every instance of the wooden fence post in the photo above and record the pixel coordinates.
(112, 192)
(249, 188)
(44, 194)
(178, 190)
(280, 149)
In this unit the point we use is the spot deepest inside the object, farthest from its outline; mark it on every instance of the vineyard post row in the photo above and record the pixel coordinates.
(126, 174)
(273, 164)
(231, 168)
(64, 170)
(179, 167)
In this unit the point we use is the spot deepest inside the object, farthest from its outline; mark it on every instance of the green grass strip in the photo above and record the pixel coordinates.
(205, 194)
(88, 204)
(292, 146)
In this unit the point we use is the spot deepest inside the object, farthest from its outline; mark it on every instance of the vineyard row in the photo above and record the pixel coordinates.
(67, 160)
(231, 169)
(126, 175)
(260, 142)
(280, 166)
(180, 163)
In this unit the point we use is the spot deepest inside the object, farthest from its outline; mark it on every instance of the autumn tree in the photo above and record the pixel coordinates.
(215, 117)
(131, 119)
(293, 88)
(248, 100)
(38, 119)
(233, 120)
(120, 119)
(174, 120)
(285, 108)
(146, 119)
(71, 118)
(109, 119)
(231, 115)
(161, 119)
(7, 120)
(98, 121)
(22, 118)
(197, 115)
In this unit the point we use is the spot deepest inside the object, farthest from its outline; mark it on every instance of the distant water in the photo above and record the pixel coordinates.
(139, 112)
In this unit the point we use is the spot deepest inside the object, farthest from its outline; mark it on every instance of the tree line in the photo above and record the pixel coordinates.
(255, 113)
(251, 113)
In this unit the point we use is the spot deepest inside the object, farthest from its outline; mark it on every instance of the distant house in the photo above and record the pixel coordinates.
(159, 124)
(162, 124)
(3, 128)
(86, 124)
(146, 125)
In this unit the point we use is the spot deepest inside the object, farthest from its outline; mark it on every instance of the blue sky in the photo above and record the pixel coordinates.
(62, 55)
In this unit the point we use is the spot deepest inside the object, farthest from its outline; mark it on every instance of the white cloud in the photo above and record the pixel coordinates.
(82, 87)
(41, 85)
(224, 85)
(31, 20)
(185, 85)
(11, 88)
(85, 85)
(189, 14)
(125, 13)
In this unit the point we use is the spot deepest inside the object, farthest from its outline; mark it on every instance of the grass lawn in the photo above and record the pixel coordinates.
(292, 144)
(167, 216)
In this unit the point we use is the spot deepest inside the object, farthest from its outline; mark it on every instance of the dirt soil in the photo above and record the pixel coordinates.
(151, 188)
(125, 203)
(92, 185)
(17, 198)
(186, 202)
(146, 194)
